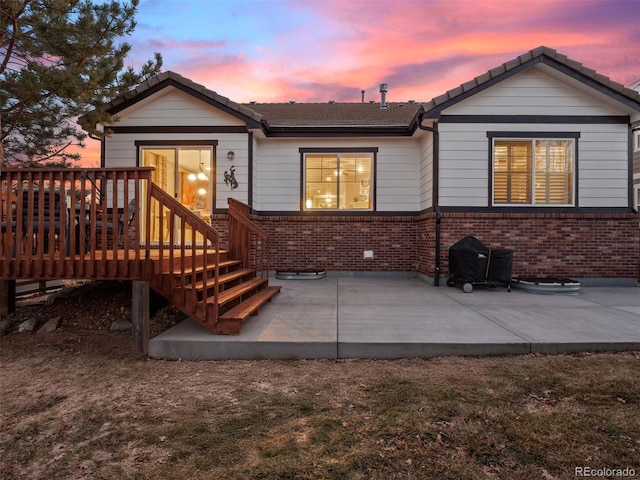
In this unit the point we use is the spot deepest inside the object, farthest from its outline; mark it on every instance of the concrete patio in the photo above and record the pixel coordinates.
(402, 316)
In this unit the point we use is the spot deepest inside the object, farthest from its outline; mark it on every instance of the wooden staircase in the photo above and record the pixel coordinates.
(219, 288)
(238, 293)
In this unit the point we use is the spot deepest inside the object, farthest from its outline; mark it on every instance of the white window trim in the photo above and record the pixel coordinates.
(533, 173)
(636, 140)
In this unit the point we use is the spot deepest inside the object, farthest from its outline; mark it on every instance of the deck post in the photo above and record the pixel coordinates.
(7, 297)
(140, 316)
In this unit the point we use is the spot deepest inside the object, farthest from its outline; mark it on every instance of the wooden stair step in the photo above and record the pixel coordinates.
(249, 306)
(225, 277)
(234, 292)
(189, 271)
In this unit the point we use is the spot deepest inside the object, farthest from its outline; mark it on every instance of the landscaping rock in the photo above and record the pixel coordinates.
(120, 326)
(51, 326)
(28, 325)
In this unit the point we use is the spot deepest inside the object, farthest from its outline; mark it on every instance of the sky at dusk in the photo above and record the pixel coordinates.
(321, 50)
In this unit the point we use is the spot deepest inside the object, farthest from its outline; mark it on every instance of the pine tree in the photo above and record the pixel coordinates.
(60, 60)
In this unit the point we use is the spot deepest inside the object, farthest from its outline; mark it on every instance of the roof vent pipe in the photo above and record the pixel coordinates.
(362, 93)
(383, 95)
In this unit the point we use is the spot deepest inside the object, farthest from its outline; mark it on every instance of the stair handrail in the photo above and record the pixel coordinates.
(241, 231)
(180, 213)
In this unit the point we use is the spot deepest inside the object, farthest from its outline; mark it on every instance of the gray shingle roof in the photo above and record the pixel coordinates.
(309, 115)
(336, 114)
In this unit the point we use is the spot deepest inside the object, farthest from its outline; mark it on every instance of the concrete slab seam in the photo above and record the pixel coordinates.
(496, 322)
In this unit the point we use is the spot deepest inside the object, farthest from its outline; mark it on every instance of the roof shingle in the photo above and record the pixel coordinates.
(335, 114)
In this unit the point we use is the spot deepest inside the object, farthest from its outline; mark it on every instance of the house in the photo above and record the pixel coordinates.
(635, 139)
(534, 155)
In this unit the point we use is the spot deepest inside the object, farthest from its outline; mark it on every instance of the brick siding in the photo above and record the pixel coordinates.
(338, 243)
(572, 245)
(569, 245)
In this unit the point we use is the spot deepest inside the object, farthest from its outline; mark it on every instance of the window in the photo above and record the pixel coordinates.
(636, 140)
(338, 181)
(533, 172)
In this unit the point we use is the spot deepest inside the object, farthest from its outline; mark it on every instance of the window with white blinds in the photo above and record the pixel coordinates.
(533, 172)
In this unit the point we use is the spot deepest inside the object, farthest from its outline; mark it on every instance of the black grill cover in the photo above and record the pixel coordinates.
(500, 266)
(470, 261)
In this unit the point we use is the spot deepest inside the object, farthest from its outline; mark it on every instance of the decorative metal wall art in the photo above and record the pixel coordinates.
(230, 178)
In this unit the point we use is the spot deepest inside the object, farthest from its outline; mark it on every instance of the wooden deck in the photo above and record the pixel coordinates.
(95, 224)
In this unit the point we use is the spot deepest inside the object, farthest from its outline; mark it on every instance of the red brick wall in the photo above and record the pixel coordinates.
(220, 223)
(571, 245)
(338, 243)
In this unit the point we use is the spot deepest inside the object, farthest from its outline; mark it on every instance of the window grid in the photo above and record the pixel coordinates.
(533, 172)
(338, 181)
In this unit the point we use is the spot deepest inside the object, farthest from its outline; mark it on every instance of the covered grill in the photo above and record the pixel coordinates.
(472, 263)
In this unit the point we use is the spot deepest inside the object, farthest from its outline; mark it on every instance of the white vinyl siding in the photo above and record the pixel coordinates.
(426, 171)
(278, 175)
(602, 162)
(121, 152)
(602, 154)
(463, 173)
(604, 166)
(172, 107)
(536, 91)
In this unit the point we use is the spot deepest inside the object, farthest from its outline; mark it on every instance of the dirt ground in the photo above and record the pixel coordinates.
(79, 403)
(92, 306)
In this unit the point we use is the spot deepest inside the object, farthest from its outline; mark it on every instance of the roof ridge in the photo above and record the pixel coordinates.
(296, 103)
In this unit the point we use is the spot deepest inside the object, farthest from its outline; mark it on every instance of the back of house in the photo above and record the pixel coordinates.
(535, 155)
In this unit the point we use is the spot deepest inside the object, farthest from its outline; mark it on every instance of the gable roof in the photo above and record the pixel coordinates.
(286, 118)
(542, 54)
(349, 119)
(169, 78)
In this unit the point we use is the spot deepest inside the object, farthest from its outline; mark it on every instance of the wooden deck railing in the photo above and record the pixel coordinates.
(72, 223)
(196, 248)
(247, 241)
(115, 223)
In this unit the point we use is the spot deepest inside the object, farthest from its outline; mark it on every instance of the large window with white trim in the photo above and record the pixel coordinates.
(338, 180)
(536, 171)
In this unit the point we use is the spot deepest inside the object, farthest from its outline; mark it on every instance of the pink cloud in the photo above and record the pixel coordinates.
(386, 35)
(420, 48)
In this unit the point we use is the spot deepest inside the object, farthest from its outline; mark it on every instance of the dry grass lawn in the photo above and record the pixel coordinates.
(79, 404)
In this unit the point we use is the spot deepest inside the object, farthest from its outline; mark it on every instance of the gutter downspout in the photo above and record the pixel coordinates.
(102, 148)
(436, 274)
(436, 205)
